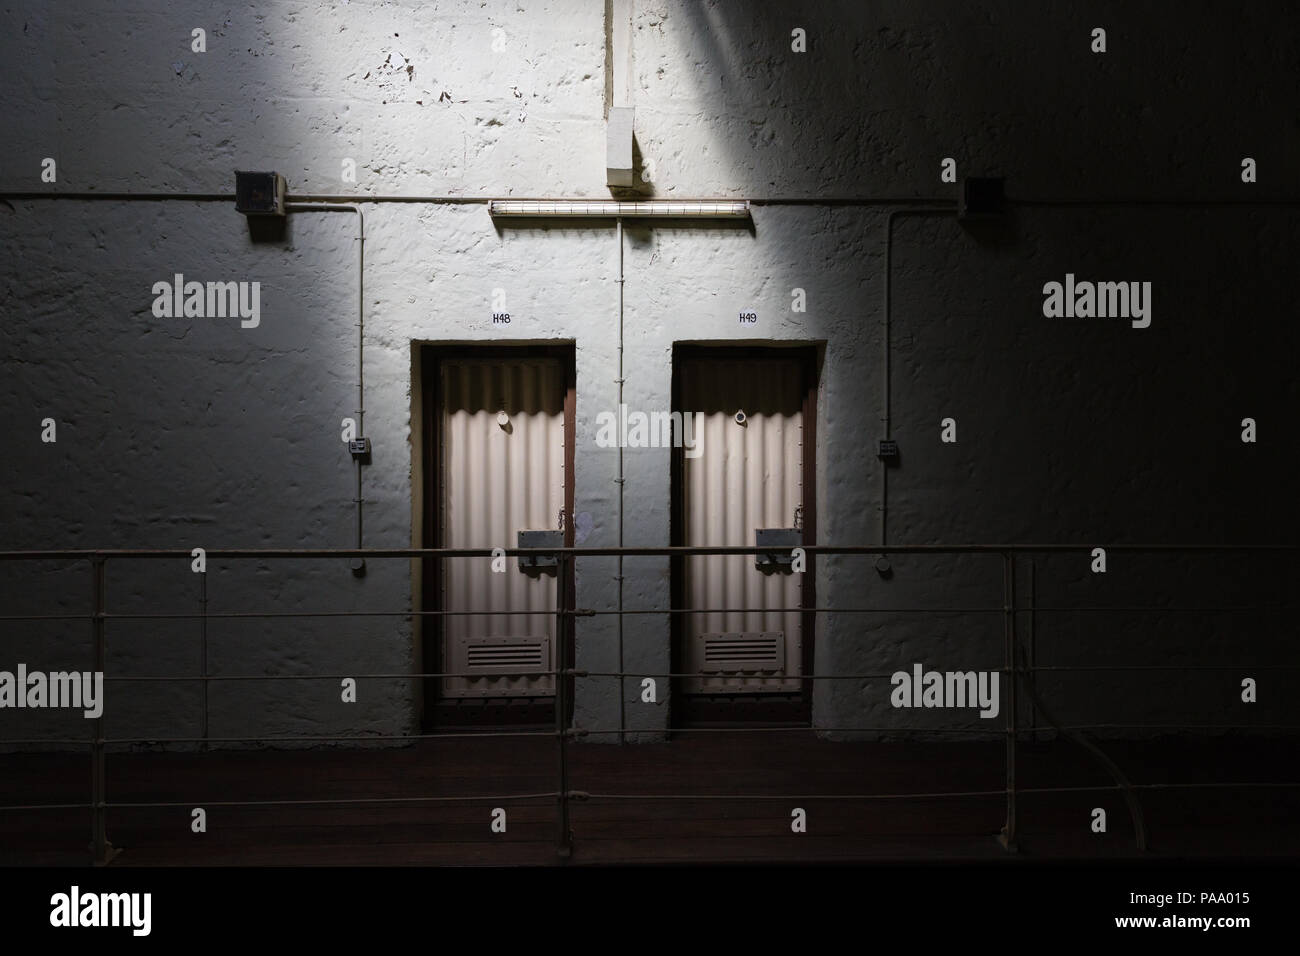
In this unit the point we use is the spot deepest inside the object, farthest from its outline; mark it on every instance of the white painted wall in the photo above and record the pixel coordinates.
(195, 432)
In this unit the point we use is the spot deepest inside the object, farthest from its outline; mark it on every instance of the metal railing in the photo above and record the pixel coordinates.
(1015, 666)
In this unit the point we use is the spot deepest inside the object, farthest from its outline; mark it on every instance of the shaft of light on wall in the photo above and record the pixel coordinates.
(679, 209)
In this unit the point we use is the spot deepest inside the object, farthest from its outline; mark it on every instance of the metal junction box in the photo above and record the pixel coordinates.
(982, 197)
(259, 194)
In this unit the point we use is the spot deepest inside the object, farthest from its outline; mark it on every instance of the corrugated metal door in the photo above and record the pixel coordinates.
(502, 471)
(747, 475)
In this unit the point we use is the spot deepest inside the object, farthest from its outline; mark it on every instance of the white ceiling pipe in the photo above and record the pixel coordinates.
(661, 208)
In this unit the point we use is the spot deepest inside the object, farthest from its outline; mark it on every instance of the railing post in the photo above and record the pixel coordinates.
(203, 654)
(1008, 835)
(101, 850)
(563, 844)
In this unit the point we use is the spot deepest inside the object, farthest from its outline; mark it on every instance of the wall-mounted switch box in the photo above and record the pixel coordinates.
(359, 447)
(888, 450)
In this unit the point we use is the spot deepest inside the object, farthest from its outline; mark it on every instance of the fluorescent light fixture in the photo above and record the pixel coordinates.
(671, 209)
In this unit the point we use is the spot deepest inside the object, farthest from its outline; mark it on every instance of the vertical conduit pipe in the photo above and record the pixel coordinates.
(886, 418)
(622, 684)
(358, 564)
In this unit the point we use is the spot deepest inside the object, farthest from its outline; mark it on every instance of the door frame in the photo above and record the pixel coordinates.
(438, 712)
(697, 709)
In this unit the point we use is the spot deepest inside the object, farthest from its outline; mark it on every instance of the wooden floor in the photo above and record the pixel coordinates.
(627, 818)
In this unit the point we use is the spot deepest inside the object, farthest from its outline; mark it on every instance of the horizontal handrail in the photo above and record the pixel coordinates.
(662, 551)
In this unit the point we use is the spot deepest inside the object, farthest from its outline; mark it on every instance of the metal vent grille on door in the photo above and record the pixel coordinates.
(744, 652)
(504, 664)
(506, 655)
